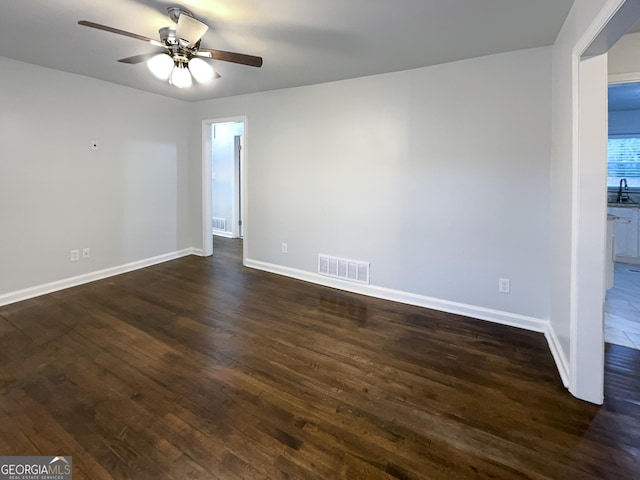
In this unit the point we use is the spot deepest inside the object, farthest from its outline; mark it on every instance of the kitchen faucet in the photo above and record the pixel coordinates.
(623, 196)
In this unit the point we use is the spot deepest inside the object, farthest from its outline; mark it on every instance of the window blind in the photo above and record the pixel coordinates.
(624, 160)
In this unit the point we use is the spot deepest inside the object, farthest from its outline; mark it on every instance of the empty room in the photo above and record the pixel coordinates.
(317, 240)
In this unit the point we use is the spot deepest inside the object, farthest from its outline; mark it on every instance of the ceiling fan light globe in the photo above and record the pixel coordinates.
(181, 77)
(201, 70)
(160, 66)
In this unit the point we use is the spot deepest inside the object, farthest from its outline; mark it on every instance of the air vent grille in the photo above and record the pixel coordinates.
(220, 224)
(345, 269)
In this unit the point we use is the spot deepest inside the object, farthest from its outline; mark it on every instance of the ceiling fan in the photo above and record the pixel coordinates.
(181, 57)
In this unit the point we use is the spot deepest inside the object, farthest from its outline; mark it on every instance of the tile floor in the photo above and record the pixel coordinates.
(622, 308)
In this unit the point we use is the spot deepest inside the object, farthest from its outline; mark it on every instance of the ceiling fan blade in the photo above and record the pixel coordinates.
(223, 56)
(119, 32)
(138, 58)
(190, 29)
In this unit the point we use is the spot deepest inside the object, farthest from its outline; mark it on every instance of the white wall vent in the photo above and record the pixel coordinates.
(351, 270)
(220, 224)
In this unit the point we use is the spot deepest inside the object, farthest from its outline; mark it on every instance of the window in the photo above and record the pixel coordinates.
(624, 160)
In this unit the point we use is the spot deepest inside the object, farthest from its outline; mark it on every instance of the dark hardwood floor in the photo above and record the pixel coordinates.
(201, 369)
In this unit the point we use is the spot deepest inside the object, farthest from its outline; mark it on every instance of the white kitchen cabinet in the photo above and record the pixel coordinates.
(611, 255)
(626, 233)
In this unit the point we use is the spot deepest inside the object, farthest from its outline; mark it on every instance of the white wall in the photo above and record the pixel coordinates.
(126, 201)
(438, 176)
(624, 57)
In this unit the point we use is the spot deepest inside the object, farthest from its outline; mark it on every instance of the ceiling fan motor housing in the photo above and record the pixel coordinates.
(180, 53)
(168, 35)
(175, 12)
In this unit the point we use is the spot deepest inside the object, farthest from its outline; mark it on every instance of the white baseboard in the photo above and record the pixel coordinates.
(51, 287)
(495, 316)
(558, 354)
(198, 251)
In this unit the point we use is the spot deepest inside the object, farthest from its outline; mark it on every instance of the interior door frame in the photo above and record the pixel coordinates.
(238, 146)
(586, 356)
(206, 169)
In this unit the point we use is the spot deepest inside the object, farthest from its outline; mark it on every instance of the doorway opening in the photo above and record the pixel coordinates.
(224, 165)
(622, 306)
(226, 176)
(588, 198)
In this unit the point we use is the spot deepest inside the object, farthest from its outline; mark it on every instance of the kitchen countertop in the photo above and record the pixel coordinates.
(623, 205)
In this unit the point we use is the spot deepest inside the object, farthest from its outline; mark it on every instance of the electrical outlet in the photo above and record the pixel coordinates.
(504, 285)
(75, 255)
(86, 252)
(284, 248)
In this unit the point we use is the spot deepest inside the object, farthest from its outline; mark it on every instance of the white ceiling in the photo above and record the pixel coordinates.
(302, 41)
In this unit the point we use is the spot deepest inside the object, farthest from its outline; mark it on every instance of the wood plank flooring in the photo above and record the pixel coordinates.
(201, 369)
